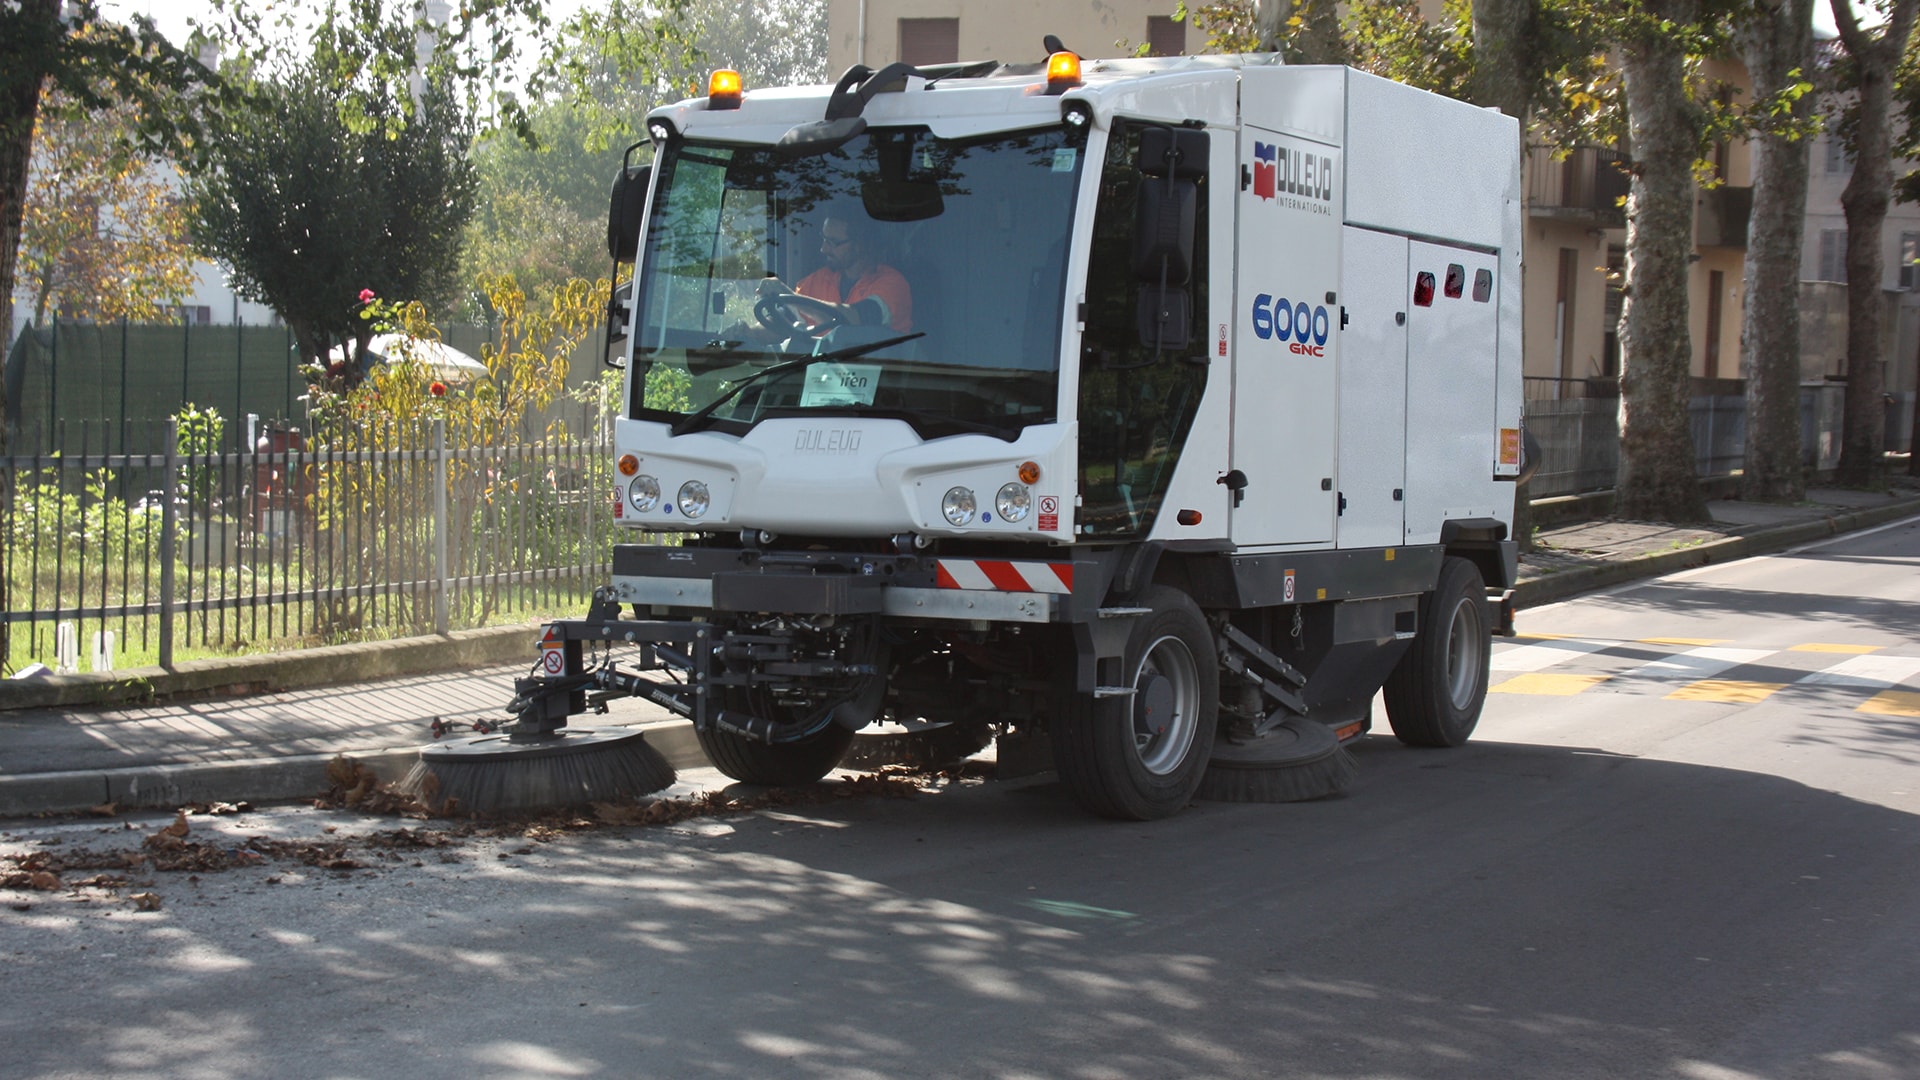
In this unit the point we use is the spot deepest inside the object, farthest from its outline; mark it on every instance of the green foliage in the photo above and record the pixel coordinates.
(375, 505)
(1391, 40)
(307, 210)
(67, 47)
(543, 202)
(199, 432)
(1906, 127)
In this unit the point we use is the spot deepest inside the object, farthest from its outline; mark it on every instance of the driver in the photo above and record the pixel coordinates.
(853, 282)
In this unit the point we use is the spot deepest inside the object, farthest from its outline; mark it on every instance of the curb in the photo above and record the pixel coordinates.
(1534, 592)
(274, 672)
(254, 780)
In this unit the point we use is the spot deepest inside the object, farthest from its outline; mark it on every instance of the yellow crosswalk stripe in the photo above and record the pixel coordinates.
(1815, 646)
(1892, 703)
(1539, 682)
(1730, 691)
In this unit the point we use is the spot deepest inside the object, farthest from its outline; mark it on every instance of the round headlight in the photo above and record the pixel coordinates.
(693, 498)
(958, 506)
(1013, 502)
(644, 493)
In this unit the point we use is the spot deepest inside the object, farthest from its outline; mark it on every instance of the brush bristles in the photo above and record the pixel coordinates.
(1320, 778)
(506, 783)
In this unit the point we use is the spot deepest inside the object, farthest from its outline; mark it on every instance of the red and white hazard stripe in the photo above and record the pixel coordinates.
(1005, 576)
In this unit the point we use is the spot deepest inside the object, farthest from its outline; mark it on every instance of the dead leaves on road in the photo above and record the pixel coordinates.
(175, 847)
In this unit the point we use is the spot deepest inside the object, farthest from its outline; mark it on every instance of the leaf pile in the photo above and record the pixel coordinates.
(351, 785)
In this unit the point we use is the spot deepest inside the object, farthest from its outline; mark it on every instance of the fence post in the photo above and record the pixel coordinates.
(169, 535)
(442, 579)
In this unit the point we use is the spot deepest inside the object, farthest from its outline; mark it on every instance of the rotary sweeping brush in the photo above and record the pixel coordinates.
(1298, 760)
(497, 774)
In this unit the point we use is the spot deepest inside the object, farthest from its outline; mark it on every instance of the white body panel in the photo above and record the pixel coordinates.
(1374, 290)
(840, 477)
(1453, 430)
(1287, 316)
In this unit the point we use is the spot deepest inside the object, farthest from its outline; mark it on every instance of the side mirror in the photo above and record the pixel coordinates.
(1163, 231)
(1177, 152)
(1165, 317)
(1171, 162)
(619, 320)
(624, 211)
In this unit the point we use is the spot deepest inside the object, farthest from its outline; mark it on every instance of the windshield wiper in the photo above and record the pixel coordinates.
(694, 421)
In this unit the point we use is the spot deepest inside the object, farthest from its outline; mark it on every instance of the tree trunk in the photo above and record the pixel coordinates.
(18, 108)
(1657, 480)
(1503, 46)
(1869, 190)
(1318, 41)
(1774, 41)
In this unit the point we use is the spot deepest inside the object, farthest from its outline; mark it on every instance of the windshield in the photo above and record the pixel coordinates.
(933, 269)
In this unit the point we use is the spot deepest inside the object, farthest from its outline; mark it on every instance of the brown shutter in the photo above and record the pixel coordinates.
(929, 41)
(1166, 37)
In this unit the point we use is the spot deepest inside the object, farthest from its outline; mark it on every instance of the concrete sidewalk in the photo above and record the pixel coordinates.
(259, 728)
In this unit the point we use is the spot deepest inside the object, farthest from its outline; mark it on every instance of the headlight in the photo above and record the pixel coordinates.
(644, 493)
(693, 498)
(958, 506)
(1013, 502)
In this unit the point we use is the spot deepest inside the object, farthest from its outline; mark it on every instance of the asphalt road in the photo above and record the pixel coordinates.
(1683, 844)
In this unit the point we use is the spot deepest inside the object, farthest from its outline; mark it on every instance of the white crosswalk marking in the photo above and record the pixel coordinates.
(1545, 654)
(1695, 664)
(1876, 672)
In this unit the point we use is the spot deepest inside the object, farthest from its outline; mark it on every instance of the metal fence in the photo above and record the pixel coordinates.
(132, 373)
(1577, 425)
(410, 527)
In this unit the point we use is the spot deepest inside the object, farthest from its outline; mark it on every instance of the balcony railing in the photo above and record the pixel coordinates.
(1588, 186)
(1721, 217)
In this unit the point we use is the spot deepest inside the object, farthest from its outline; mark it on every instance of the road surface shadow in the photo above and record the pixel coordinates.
(1502, 910)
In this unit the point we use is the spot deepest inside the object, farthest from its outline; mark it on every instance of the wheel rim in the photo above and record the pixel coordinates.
(1465, 653)
(1166, 705)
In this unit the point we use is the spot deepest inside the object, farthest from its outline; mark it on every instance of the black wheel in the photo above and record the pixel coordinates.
(788, 764)
(788, 313)
(1141, 756)
(1435, 693)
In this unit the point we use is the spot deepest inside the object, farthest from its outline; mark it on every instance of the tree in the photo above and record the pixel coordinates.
(1665, 129)
(543, 205)
(1869, 190)
(93, 64)
(1907, 188)
(1775, 40)
(308, 208)
(104, 235)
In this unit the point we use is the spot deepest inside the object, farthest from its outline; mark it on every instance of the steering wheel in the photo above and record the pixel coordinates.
(787, 314)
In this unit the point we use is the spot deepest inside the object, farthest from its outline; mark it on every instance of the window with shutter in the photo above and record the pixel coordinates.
(929, 41)
(1165, 37)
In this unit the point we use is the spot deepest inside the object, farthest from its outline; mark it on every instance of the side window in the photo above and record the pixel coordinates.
(1135, 407)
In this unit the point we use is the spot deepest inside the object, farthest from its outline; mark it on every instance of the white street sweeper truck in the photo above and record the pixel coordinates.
(1151, 415)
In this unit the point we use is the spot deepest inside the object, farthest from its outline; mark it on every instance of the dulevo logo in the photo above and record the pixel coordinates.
(1282, 171)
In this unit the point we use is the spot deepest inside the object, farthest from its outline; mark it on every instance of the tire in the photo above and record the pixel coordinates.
(793, 764)
(1109, 754)
(1435, 693)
